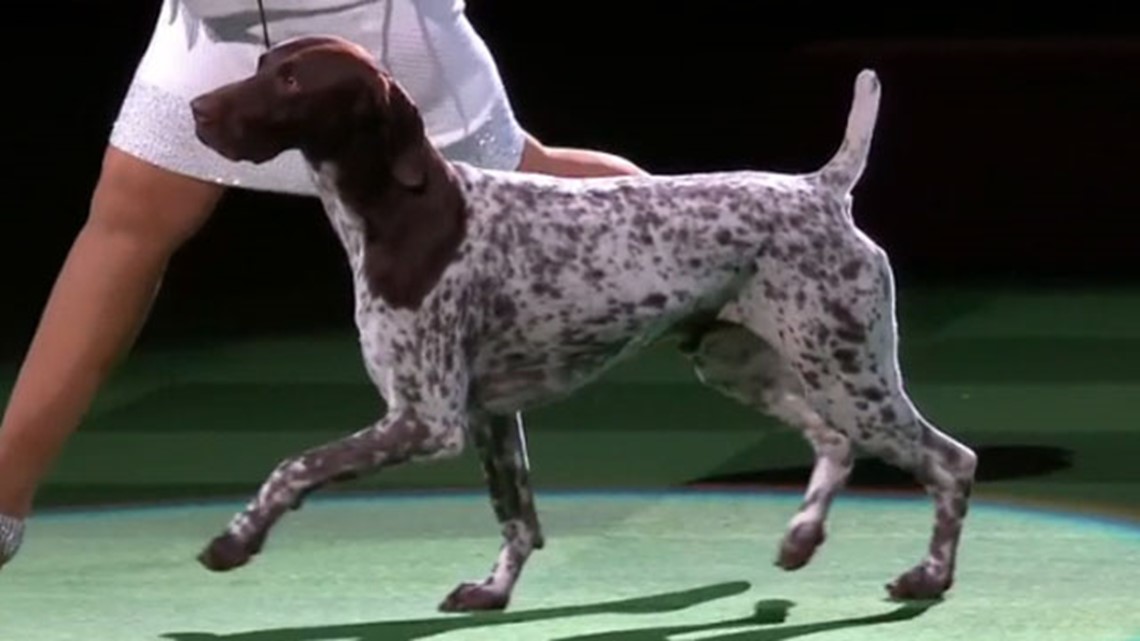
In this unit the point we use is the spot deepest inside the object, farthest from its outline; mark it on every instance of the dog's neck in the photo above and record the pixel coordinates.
(400, 237)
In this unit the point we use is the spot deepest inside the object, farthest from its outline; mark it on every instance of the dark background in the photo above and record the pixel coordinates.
(1006, 147)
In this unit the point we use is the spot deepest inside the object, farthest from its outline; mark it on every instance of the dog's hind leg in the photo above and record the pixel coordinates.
(502, 449)
(741, 365)
(837, 330)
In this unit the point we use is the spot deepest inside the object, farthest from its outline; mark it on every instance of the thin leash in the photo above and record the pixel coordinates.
(264, 24)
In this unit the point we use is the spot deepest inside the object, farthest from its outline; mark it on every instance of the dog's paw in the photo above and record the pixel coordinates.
(227, 552)
(474, 597)
(799, 545)
(920, 583)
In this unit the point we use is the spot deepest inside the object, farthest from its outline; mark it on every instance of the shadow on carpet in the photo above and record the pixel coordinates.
(423, 628)
(767, 613)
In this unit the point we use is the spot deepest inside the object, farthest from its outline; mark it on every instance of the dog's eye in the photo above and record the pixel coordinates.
(286, 76)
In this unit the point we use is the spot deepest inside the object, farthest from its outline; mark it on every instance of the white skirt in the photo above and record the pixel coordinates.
(428, 46)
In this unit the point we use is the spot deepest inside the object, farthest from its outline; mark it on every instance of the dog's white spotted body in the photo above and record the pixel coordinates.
(784, 305)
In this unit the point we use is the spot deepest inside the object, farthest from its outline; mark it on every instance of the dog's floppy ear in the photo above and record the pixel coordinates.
(409, 153)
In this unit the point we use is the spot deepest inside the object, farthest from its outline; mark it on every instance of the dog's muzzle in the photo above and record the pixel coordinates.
(11, 536)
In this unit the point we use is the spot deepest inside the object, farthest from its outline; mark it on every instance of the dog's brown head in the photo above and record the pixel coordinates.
(314, 94)
(326, 97)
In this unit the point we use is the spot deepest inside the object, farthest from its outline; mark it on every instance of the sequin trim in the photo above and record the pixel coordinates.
(157, 127)
(11, 537)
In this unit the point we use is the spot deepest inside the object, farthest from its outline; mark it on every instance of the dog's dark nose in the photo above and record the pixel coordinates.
(204, 109)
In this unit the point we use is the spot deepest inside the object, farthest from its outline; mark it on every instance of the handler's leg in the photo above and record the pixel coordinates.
(139, 215)
(156, 187)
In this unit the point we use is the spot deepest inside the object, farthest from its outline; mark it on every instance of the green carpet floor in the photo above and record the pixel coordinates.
(631, 567)
(1044, 384)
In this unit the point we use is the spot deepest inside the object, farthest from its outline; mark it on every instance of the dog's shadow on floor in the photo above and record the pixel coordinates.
(758, 627)
(749, 628)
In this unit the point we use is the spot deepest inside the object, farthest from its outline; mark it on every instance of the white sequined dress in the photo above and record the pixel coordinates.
(427, 45)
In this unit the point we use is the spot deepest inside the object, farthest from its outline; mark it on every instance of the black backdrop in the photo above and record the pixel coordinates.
(1006, 147)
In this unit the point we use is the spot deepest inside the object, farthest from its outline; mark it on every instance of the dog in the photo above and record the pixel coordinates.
(481, 294)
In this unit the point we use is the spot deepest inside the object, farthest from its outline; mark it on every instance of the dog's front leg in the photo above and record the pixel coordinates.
(502, 450)
(409, 433)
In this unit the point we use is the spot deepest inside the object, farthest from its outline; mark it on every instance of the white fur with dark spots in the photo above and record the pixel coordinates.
(558, 280)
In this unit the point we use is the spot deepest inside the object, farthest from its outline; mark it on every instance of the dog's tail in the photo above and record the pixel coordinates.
(846, 166)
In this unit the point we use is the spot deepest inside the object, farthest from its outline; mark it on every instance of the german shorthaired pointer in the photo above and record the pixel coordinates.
(481, 294)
